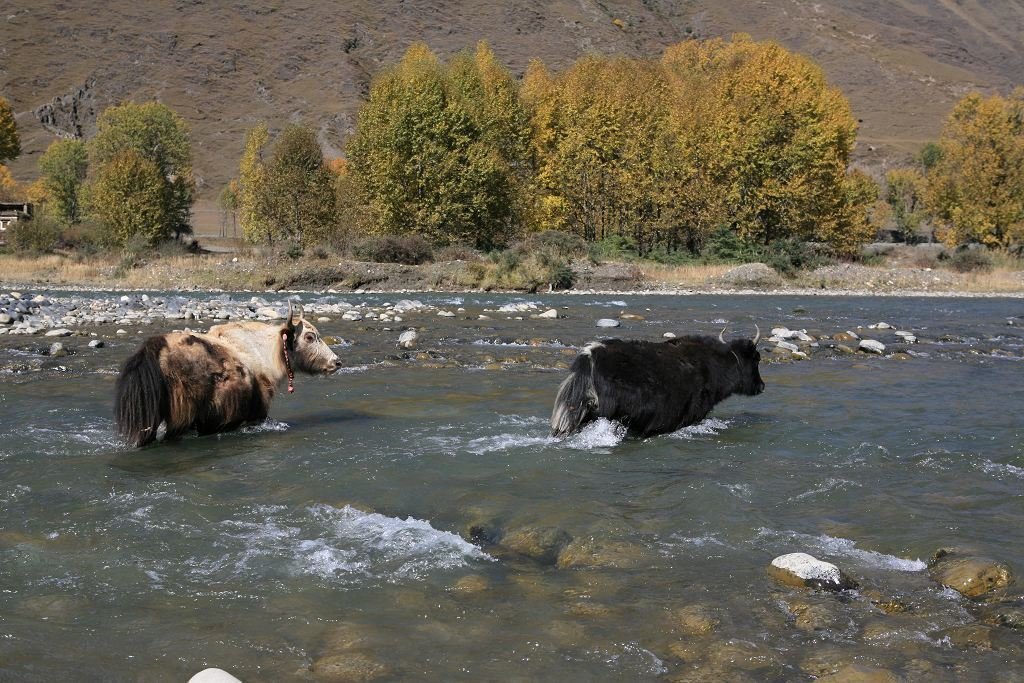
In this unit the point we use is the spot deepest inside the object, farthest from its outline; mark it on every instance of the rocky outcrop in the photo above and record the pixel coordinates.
(72, 115)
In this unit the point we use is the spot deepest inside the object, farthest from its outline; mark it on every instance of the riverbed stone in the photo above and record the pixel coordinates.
(970, 575)
(541, 543)
(861, 673)
(57, 350)
(59, 332)
(550, 314)
(6, 319)
(607, 322)
(815, 616)
(593, 551)
(871, 346)
(822, 661)
(474, 584)
(801, 570)
(97, 344)
(846, 337)
(1008, 613)
(213, 675)
(350, 667)
(694, 620)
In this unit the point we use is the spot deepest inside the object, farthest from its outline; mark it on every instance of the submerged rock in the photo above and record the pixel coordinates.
(806, 571)
(596, 552)
(815, 616)
(97, 344)
(971, 576)
(473, 584)
(541, 543)
(351, 667)
(57, 350)
(861, 673)
(695, 620)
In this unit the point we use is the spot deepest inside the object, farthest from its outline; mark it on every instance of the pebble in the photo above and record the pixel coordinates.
(607, 322)
(59, 332)
(121, 331)
(549, 314)
(97, 344)
(669, 335)
(57, 350)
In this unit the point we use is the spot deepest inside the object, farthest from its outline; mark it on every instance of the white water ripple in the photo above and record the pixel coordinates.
(844, 547)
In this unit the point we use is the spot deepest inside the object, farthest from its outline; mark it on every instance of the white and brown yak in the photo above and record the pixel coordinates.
(217, 381)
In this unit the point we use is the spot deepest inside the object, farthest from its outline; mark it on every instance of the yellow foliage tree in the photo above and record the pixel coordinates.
(975, 189)
(10, 143)
(128, 198)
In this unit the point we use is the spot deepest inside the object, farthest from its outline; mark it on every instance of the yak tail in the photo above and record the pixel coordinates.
(576, 401)
(142, 398)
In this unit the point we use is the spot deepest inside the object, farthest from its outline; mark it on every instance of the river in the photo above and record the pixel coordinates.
(358, 532)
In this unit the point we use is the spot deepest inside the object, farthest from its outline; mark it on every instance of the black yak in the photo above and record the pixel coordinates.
(655, 388)
(214, 382)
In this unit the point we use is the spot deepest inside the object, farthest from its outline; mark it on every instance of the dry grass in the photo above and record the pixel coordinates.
(686, 275)
(56, 269)
(1001, 280)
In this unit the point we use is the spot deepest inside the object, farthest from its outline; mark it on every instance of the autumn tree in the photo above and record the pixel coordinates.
(154, 133)
(10, 143)
(436, 149)
(10, 189)
(64, 166)
(228, 201)
(598, 152)
(975, 188)
(786, 137)
(252, 171)
(299, 192)
(905, 193)
(129, 199)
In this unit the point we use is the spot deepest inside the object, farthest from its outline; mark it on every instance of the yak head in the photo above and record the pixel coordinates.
(747, 360)
(309, 352)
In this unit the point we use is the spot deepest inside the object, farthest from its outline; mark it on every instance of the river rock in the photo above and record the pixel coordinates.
(407, 339)
(446, 314)
(669, 335)
(6, 319)
(213, 676)
(607, 322)
(550, 314)
(541, 543)
(845, 337)
(474, 584)
(269, 313)
(351, 667)
(971, 576)
(880, 326)
(815, 616)
(598, 552)
(871, 346)
(695, 620)
(787, 346)
(57, 350)
(59, 332)
(806, 571)
(630, 316)
(861, 673)
(1009, 614)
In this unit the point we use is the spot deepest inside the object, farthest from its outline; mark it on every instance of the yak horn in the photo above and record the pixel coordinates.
(758, 335)
(721, 335)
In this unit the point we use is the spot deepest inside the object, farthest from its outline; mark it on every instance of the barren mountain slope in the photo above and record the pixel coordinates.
(226, 65)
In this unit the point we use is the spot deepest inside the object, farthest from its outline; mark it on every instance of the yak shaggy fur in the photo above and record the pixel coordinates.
(213, 382)
(654, 388)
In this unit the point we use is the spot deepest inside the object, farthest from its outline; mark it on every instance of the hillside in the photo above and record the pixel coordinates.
(226, 65)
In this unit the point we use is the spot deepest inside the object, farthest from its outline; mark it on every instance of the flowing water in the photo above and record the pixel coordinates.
(359, 524)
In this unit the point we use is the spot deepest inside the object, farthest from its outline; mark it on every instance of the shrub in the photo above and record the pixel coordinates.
(38, 235)
(411, 250)
(457, 252)
(724, 245)
(968, 260)
(788, 256)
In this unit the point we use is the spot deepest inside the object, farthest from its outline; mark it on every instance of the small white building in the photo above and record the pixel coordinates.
(12, 212)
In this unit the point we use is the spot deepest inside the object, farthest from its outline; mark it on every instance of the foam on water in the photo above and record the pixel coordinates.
(503, 442)
(600, 433)
(830, 484)
(1000, 469)
(340, 546)
(708, 427)
(267, 425)
(844, 547)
